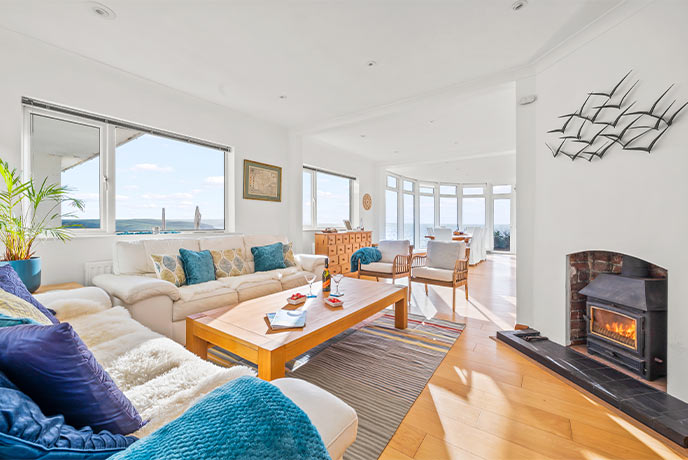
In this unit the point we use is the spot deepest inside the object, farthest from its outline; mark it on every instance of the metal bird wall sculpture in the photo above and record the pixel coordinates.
(605, 120)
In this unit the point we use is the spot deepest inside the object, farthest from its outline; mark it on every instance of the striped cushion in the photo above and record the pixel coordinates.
(14, 307)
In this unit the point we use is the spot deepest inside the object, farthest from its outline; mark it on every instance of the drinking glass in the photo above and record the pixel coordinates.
(310, 278)
(337, 279)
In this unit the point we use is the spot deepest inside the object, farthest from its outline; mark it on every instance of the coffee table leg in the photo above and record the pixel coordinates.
(401, 312)
(270, 364)
(197, 345)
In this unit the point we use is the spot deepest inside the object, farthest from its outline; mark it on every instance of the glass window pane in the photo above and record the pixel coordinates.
(333, 193)
(155, 173)
(448, 212)
(426, 189)
(390, 215)
(473, 212)
(502, 224)
(427, 218)
(500, 189)
(391, 182)
(307, 199)
(473, 190)
(447, 189)
(408, 217)
(68, 154)
(408, 186)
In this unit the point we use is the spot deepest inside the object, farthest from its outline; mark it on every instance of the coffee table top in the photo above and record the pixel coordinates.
(245, 321)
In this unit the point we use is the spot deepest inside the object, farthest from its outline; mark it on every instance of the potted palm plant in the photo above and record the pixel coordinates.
(28, 212)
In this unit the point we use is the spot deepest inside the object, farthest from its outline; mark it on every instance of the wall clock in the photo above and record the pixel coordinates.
(367, 202)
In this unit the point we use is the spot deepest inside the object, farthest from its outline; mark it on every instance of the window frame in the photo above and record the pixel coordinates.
(107, 157)
(314, 198)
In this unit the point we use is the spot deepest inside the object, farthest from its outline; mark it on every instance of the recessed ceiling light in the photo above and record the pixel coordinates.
(431, 121)
(371, 63)
(363, 135)
(396, 151)
(283, 96)
(519, 4)
(103, 11)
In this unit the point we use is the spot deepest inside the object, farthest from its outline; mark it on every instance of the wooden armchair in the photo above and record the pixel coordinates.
(421, 273)
(399, 267)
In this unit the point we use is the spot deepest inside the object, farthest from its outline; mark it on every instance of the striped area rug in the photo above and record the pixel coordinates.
(376, 369)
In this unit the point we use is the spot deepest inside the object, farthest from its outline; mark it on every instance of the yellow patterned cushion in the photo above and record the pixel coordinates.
(289, 259)
(229, 262)
(11, 305)
(169, 268)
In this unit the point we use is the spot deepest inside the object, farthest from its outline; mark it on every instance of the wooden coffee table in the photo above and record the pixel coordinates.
(242, 330)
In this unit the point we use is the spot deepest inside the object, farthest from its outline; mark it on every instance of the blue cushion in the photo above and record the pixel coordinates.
(54, 368)
(270, 257)
(198, 266)
(25, 432)
(6, 321)
(10, 282)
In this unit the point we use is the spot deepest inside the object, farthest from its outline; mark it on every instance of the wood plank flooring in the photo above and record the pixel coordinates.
(487, 401)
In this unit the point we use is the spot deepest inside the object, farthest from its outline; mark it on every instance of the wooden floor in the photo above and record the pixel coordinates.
(487, 401)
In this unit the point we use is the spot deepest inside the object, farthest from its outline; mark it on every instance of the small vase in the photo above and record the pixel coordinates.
(29, 271)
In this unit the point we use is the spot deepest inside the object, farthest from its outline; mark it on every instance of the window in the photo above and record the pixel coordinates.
(409, 219)
(448, 212)
(447, 189)
(502, 224)
(126, 174)
(473, 212)
(501, 189)
(330, 198)
(154, 174)
(391, 182)
(391, 204)
(408, 186)
(426, 213)
(473, 190)
(67, 151)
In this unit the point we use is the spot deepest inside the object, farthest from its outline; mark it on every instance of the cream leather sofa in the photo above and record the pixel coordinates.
(163, 307)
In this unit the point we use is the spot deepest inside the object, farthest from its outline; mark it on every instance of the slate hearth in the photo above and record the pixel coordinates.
(658, 410)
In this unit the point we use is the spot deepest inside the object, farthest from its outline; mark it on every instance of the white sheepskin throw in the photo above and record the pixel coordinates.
(160, 377)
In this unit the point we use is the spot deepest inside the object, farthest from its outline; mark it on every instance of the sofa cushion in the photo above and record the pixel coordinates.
(130, 258)
(288, 252)
(294, 280)
(169, 268)
(269, 257)
(248, 291)
(14, 307)
(198, 266)
(10, 282)
(252, 241)
(167, 246)
(229, 262)
(379, 267)
(444, 254)
(219, 243)
(392, 248)
(25, 432)
(53, 358)
(336, 421)
(438, 274)
(203, 301)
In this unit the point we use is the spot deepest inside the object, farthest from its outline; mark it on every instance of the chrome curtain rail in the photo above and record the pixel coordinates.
(123, 124)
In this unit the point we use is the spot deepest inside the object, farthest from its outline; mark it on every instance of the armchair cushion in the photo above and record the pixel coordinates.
(444, 254)
(437, 274)
(389, 249)
(379, 267)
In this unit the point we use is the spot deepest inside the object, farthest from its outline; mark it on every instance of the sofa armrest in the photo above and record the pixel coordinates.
(131, 289)
(91, 293)
(313, 263)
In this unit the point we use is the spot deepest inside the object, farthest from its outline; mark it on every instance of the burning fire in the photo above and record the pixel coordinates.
(621, 329)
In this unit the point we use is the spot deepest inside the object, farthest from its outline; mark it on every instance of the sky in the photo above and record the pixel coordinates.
(153, 172)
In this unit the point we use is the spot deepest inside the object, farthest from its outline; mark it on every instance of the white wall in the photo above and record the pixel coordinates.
(34, 69)
(322, 155)
(493, 169)
(629, 202)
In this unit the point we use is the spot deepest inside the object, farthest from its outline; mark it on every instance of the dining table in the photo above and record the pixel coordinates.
(457, 236)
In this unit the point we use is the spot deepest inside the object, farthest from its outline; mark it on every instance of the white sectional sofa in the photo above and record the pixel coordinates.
(163, 307)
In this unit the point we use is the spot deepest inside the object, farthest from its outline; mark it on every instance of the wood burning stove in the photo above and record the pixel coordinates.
(626, 318)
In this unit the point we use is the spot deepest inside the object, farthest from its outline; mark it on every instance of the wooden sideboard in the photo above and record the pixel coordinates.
(339, 247)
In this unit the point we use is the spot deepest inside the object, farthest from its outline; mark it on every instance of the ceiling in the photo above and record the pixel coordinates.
(246, 54)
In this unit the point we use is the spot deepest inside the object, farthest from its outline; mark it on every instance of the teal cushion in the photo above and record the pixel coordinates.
(270, 257)
(6, 321)
(198, 266)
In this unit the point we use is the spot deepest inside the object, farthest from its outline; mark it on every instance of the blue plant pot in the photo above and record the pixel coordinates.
(29, 271)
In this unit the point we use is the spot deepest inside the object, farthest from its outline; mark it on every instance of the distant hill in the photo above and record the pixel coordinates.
(142, 225)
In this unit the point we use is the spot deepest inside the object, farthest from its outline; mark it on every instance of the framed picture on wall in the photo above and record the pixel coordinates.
(262, 181)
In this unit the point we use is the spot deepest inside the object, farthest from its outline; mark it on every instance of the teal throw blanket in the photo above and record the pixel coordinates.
(245, 419)
(366, 256)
